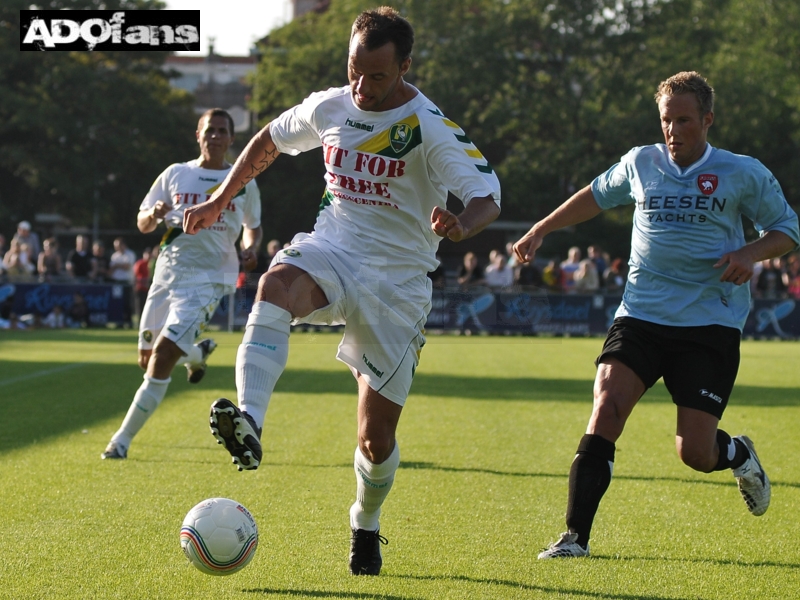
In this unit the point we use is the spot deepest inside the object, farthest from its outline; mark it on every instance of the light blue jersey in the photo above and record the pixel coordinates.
(685, 220)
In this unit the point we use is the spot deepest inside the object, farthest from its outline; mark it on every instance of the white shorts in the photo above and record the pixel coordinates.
(383, 309)
(178, 314)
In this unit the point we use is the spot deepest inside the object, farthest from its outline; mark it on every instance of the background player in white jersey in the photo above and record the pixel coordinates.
(192, 273)
(686, 299)
(391, 156)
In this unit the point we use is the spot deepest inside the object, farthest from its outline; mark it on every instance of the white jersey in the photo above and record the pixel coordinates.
(386, 171)
(209, 256)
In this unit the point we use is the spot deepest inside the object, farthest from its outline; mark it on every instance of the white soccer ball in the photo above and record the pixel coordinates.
(219, 536)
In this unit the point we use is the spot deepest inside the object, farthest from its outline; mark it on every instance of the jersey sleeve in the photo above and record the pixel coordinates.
(766, 206)
(252, 213)
(613, 188)
(295, 130)
(457, 162)
(159, 190)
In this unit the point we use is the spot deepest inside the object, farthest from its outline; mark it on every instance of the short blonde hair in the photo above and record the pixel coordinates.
(688, 82)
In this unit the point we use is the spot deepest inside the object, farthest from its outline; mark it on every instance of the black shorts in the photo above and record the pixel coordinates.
(698, 364)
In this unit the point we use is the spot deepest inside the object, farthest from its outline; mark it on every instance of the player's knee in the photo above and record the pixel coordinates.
(608, 415)
(376, 448)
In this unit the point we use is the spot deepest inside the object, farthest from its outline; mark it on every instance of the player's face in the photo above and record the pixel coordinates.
(375, 76)
(685, 129)
(214, 137)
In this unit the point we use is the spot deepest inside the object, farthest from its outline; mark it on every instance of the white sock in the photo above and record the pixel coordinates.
(194, 356)
(145, 402)
(373, 483)
(261, 358)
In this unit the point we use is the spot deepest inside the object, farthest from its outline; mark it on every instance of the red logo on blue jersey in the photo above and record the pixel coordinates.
(707, 184)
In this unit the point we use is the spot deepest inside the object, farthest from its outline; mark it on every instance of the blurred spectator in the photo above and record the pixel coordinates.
(3, 251)
(49, 263)
(24, 235)
(120, 265)
(528, 275)
(99, 262)
(598, 257)
(551, 276)
(792, 276)
(512, 260)
(469, 273)
(56, 318)
(17, 260)
(141, 282)
(272, 248)
(770, 283)
(568, 268)
(78, 312)
(12, 322)
(587, 281)
(615, 276)
(79, 259)
(498, 274)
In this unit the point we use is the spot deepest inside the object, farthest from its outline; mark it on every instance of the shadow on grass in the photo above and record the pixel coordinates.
(323, 594)
(713, 561)
(518, 585)
(565, 474)
(40, 400)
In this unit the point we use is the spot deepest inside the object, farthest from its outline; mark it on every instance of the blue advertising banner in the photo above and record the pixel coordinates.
(106, 303)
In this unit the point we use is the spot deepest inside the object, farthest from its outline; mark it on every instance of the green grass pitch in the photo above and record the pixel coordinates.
(486, 441)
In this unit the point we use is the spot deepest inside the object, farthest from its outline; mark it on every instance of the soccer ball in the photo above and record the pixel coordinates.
(219, 536)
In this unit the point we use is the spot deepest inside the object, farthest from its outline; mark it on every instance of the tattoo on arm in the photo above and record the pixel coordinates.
(260, 166)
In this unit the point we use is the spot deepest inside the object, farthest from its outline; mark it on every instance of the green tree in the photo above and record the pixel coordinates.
(85, 133)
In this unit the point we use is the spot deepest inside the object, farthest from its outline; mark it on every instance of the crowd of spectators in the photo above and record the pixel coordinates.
(24, 259)
(597, 273)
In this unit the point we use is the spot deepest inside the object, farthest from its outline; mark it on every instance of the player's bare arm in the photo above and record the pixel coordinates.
(478, 213)
(259, 154)
(251, 241)
(147, 220)
(580, 207)
(740, 262)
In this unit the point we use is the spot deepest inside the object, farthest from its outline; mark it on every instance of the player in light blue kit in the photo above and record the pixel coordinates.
(686, 299)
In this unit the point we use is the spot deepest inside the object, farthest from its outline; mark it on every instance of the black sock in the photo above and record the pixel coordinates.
(741, 454)
(589, 478)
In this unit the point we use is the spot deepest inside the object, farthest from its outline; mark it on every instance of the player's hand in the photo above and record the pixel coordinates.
(446, 224)
(249, 259)
(525, 248)
(161, 209)
(739, 269)
(200, 217)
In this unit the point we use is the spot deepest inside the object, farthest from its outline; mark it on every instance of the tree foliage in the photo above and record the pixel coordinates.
(553, 93)
(85, 132)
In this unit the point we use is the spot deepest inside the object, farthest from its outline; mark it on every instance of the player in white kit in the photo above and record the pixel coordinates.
(192, 273)
(391, 157)
(686, 299)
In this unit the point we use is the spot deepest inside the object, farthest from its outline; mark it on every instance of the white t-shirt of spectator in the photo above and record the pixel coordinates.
(120, 265)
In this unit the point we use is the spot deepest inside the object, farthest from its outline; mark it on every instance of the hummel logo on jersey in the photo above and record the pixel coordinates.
(208, 179)
(357, 125)
(713, 396)
(707, 184)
